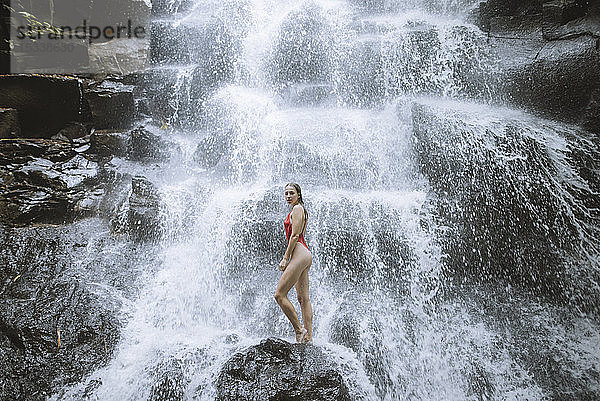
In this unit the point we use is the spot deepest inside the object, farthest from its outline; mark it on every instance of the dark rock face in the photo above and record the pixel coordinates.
(71, 131)
(9, 123)
(146, 146)
(591, 116)
(521, 206)
(276, 370)
(111, 104)
(46, 293)
(56, 181)
(558, 80)
(45, 104)
(107, 143)
(44, 181)
(548, 54)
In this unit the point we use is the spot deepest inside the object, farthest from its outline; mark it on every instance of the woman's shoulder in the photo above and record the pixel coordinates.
(298, 211)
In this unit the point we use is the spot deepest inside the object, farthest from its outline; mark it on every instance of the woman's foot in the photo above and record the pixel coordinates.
(300, 335)
(307, 339)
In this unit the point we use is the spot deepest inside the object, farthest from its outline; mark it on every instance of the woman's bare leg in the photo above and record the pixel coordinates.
(286, 282)
(305, 305)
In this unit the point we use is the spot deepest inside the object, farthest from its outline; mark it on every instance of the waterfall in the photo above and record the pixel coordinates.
(257, 93)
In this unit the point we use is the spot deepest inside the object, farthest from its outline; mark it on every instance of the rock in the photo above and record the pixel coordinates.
(559, 12)
(74, 130)
(591, 115)
(170, 383)
(9, 123)
(108, 143)
(278, 370)
(557, 80)
(45, 103)
(113, 13)
(586, 25)
(502, 8)
(111, 21)
(54, 280)
(20, 151)
(42, 191)
(513, 25)
(531, 14)
(54, 181)
(513, 189)
(111, 104)
(547, 54)
(144, 207)
(147, 147)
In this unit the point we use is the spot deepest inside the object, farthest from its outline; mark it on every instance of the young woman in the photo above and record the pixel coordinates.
(295, 265)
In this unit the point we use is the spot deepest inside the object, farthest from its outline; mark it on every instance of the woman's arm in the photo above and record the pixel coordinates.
(297, 225)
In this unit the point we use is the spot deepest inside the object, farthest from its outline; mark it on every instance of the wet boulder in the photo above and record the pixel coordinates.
(144, 208)
(169, 382)
(277, 370)
(146, 146)
(547, 54)
(119, 56)
(72, 130)
(56, 181)
(109, 143)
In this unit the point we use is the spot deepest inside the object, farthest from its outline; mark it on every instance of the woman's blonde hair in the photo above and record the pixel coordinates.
(300, 200)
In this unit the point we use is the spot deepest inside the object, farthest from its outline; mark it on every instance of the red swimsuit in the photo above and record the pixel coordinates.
(287, 225)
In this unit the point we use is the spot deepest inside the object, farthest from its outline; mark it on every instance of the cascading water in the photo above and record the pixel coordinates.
(259, 93)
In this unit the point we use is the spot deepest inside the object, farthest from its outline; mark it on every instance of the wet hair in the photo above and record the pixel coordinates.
(297, 188)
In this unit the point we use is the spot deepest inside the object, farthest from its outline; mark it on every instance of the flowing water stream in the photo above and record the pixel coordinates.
(257, 93)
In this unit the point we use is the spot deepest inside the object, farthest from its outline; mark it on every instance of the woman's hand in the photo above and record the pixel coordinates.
(283, 264)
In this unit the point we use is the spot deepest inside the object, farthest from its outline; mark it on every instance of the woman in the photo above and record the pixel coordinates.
(295, 265)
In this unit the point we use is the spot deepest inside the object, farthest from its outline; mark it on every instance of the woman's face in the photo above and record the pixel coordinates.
(291, 196)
